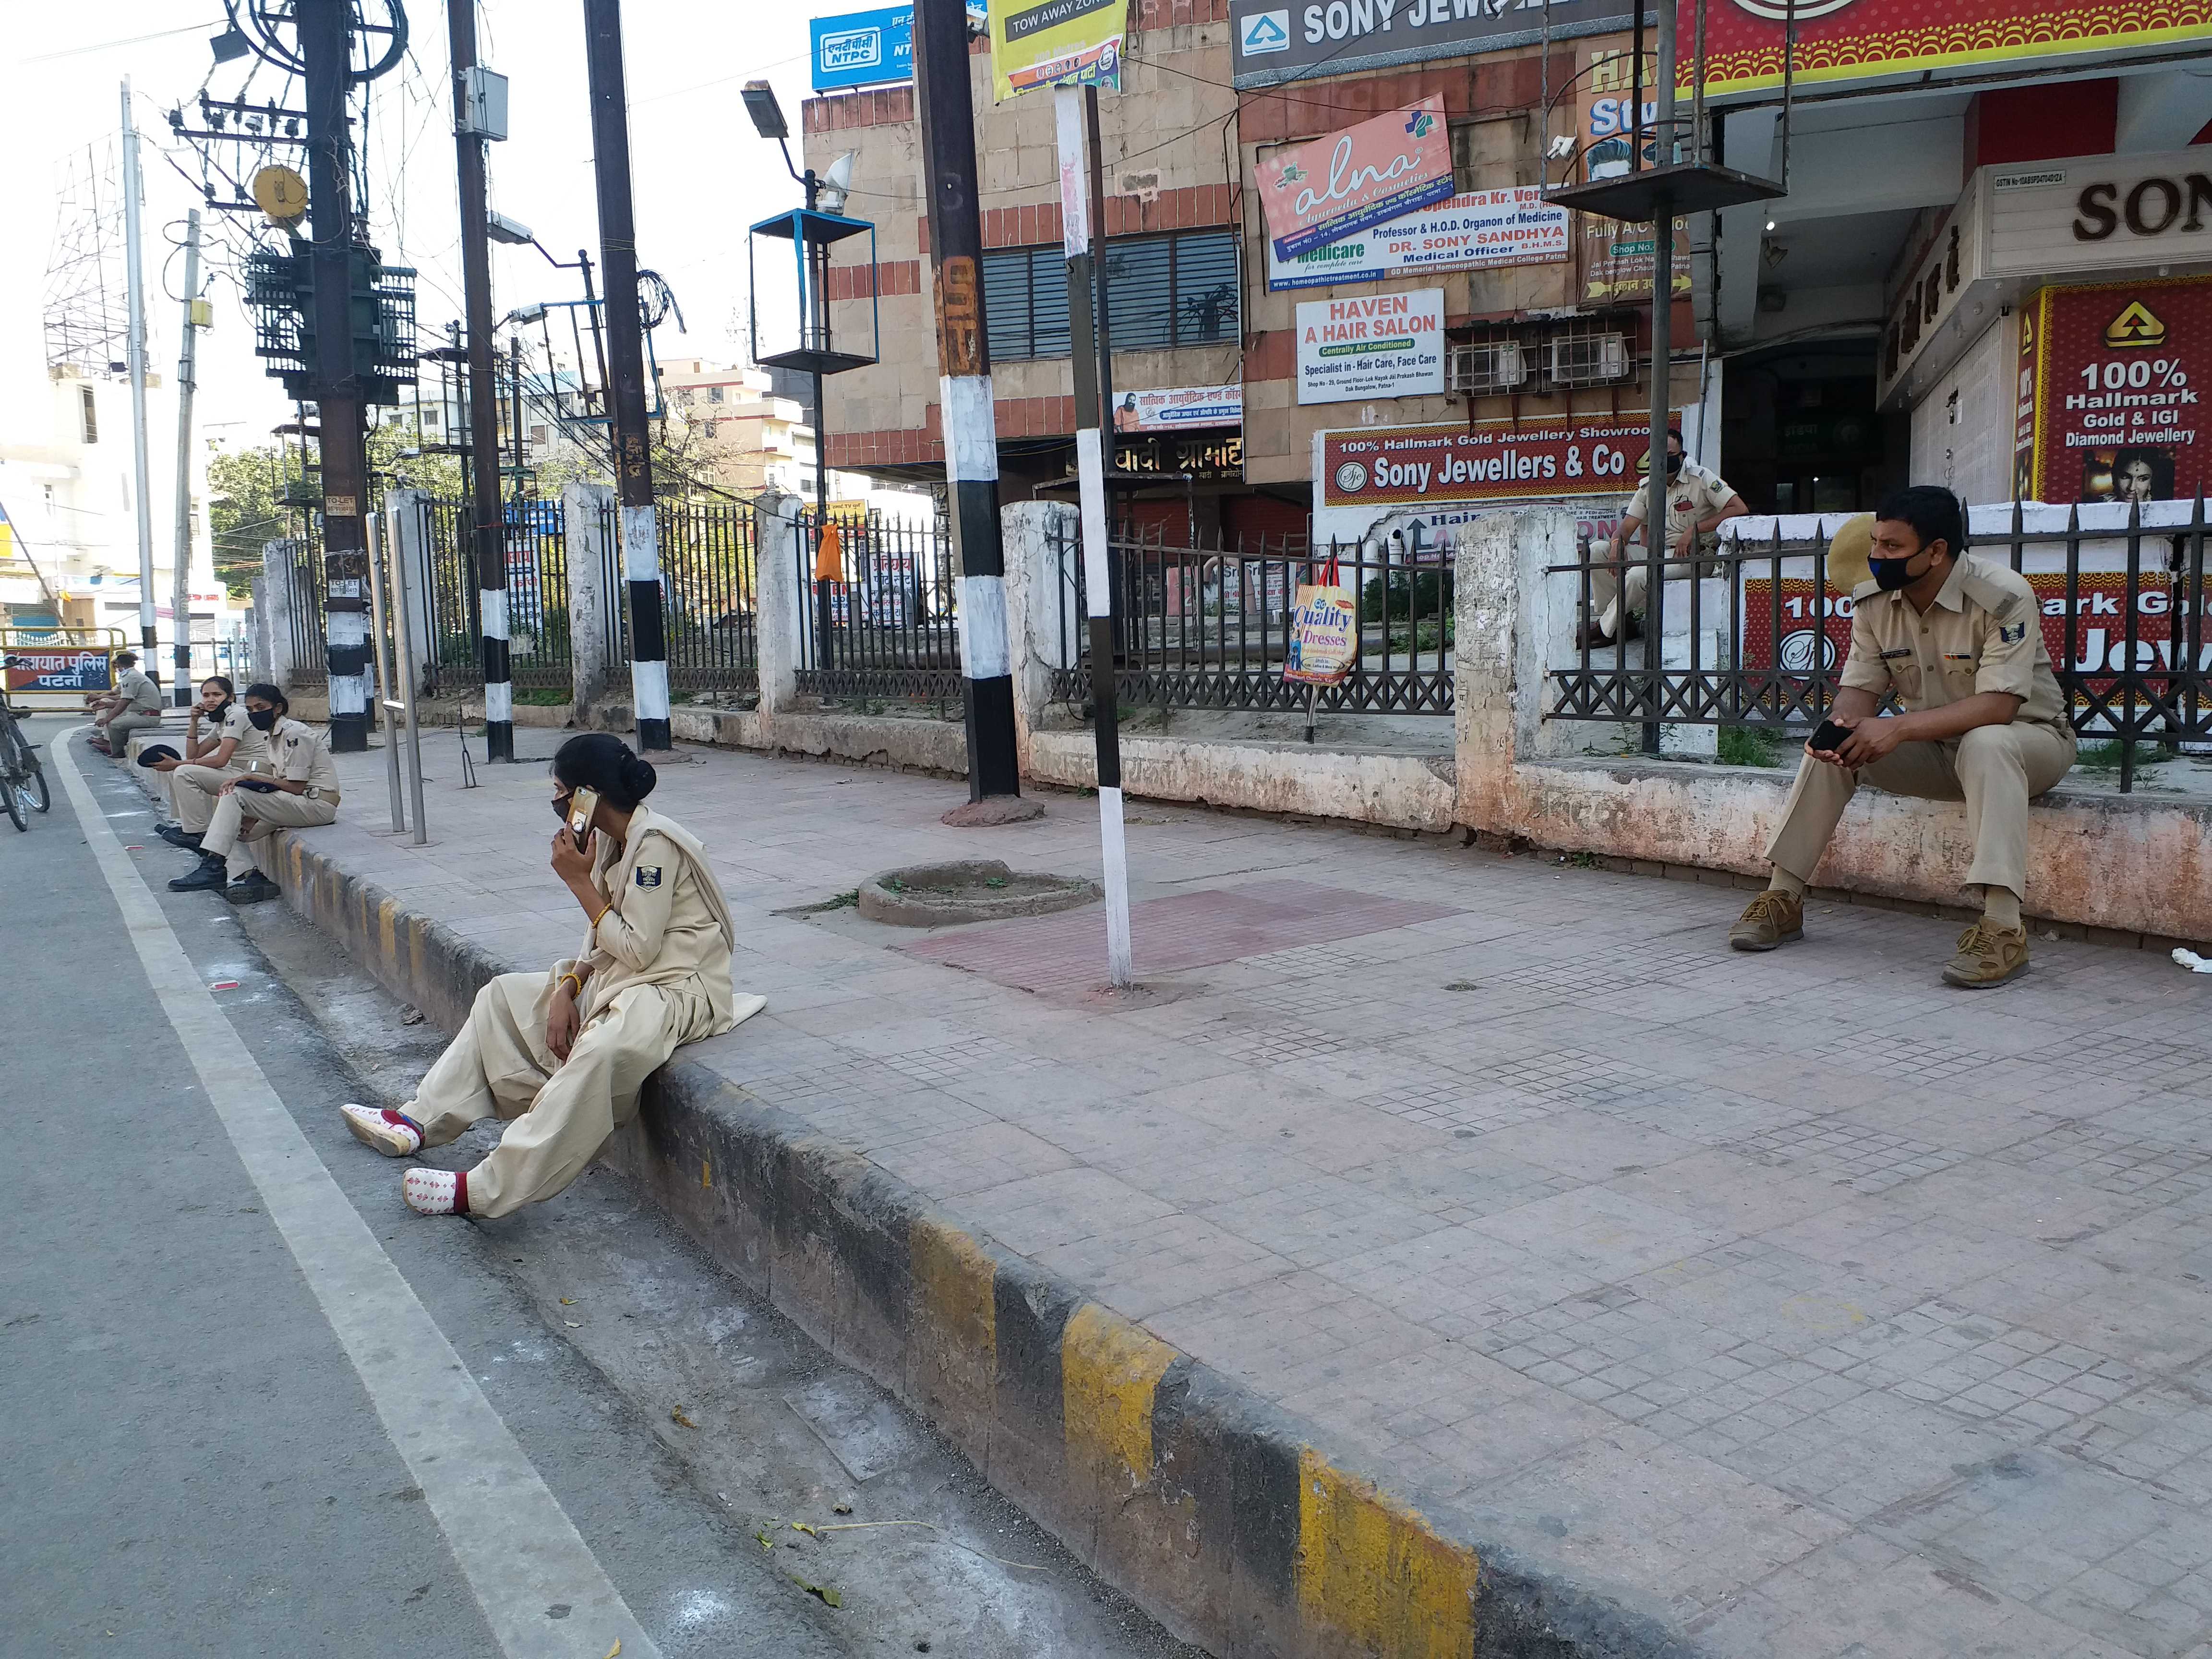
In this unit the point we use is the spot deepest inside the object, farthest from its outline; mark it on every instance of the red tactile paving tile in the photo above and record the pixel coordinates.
(1168, 935)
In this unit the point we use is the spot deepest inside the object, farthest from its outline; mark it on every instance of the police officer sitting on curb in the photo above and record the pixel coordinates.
(135, 705)
(1698, 504)
(230, 746)
(1959, 638)
(302, 793)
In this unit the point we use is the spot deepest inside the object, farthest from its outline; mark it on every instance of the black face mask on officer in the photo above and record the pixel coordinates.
(1674, 463)
(1892, 575)
(264, 719)
(560, 807)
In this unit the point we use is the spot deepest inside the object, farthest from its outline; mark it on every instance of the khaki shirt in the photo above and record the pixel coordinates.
(252, 753)
(1984, 633)
(139, 693)
(1695, 494)
(303, 755)
(659, 927)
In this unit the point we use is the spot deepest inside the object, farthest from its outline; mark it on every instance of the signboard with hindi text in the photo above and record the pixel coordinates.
(1619, 257)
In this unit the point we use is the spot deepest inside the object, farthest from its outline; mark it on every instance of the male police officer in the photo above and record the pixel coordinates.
(1698, 504)
(1959, 638)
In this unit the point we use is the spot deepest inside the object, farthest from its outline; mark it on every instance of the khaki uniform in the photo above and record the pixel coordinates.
(1695, 494)
(298, 753)
(659, 977)
(141, 711)
(190, 790)
(1984, 633)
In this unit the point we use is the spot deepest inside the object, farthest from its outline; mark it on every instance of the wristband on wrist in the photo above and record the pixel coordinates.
(602, 916)
(571, 979)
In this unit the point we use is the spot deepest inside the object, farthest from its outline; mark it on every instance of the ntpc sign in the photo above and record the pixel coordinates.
(863, 48)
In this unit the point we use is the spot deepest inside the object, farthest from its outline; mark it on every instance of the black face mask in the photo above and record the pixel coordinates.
(264, 719)
(560, 808)
(219, 713)
(1673, 465)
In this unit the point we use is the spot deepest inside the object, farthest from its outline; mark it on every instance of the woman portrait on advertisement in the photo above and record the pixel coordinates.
(2138, 474)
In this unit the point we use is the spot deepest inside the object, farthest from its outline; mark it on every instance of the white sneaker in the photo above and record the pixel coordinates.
(379, 1127)
(434, 1192)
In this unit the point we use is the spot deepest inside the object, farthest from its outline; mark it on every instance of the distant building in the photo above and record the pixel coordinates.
(749, 438)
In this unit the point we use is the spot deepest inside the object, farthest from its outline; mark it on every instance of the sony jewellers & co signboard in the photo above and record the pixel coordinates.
(1278, 40)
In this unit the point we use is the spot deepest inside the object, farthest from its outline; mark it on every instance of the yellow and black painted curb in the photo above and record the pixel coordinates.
(1222, 1515)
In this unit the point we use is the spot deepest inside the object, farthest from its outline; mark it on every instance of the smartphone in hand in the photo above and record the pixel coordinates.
(1828, 736)
(583, 804)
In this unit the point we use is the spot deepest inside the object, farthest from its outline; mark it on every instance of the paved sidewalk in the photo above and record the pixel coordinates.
(1808, 1304)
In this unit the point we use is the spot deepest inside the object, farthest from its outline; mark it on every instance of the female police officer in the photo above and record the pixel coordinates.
(562, 1055)
(228, 746)
(298, 791)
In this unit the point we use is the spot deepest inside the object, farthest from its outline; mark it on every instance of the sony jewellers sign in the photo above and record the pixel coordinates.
(2104, 213)
(1274, 42)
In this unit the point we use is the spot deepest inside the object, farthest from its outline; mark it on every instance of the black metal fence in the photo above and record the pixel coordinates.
(887, 624)
(2123, 614)
(1210, 627)
(709, 596)
(310, 646)
(535, 542)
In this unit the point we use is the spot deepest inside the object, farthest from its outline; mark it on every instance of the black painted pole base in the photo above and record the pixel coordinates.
(653, 734)
(499, 741)
(349, 734)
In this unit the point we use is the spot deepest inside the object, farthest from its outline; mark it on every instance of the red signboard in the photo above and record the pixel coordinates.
(2112, 384)
(59, 668)
(1537, 459)
(1856, 39)
(1820, 636)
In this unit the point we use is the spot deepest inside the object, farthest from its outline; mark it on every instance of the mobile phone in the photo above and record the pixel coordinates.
(582, 804)
(1829, 736)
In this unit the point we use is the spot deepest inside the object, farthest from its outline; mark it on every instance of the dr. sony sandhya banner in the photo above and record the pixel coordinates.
(1319, 191)
(1483, 228)
(1380, 345)
(1051, 43)
(1274, 40)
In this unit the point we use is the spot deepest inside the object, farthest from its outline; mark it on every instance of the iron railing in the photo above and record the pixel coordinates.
(2122, 614)
(709, 596)
(888, 626)
(535, 546)
(1210, 627)
(310, 646)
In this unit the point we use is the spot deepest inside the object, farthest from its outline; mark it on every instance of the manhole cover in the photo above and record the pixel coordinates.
(968, 890)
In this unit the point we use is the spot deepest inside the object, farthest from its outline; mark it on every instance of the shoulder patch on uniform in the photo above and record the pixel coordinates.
(2012, 633)
(648, 875)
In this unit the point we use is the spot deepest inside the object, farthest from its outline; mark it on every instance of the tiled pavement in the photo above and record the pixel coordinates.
(1820, 1309)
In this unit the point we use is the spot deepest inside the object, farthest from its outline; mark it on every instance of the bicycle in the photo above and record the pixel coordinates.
(22, 780)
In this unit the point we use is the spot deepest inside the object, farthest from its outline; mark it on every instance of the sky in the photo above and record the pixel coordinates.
(701, 174)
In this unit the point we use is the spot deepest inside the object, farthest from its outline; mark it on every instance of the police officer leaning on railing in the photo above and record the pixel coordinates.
(1959, 639)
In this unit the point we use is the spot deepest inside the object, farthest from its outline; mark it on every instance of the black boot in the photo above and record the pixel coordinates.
(178, 836)
(252, 888)
(209, 878)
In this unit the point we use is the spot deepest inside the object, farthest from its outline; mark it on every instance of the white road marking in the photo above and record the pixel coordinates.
(518, 1550)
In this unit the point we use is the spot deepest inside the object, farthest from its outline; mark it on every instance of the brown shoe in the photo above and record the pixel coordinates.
(1987, 956)
(1773, 918)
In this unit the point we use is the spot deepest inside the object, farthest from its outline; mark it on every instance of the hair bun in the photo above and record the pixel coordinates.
(639, 777)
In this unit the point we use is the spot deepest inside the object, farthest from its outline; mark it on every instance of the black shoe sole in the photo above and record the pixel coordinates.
(1752, 945)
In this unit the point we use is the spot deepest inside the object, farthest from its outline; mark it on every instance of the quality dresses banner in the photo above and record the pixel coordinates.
(1857, 39)
(1318, 192)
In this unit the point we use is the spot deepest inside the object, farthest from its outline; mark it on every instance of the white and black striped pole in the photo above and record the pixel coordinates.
(1082, 231)
(636, 523)
(965, 405)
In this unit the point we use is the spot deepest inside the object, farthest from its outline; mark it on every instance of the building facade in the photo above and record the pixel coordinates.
(1963, 205)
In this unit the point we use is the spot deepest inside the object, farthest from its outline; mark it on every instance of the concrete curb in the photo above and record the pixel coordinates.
(1227, 1519)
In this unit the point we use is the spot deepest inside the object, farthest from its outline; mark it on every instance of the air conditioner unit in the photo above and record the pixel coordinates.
(1589, 359)
(1492, 366)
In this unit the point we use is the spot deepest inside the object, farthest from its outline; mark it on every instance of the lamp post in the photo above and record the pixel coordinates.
(812, 232)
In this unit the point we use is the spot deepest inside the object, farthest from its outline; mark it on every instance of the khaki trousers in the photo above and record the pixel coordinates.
(1994, 769)
(119, 731)
(1605, 588)
(246, 815)
(558, 1113)
(192, 791)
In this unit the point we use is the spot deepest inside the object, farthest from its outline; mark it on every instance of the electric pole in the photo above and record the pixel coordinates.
(626, 403)
(1083, 235)
(326, 37)
(134, 354)
(970, 426)
(180, 578)
(1663, 370)
(485, 515)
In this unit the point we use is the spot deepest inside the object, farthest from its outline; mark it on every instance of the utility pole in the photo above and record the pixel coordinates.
(640, 532)
(326, 35)
(971, 438)
(486, 517)
(180, 578)
(1083, 235)
(1663, 376)
(134, 355)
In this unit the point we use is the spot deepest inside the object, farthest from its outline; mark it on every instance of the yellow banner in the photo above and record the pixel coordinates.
(1050, 43)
